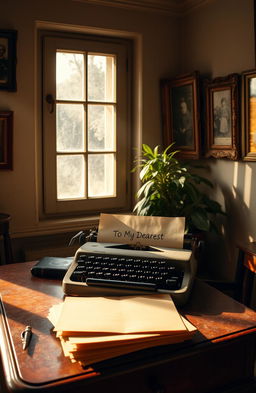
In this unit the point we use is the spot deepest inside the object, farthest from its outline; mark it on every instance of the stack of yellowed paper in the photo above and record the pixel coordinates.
(92, 329)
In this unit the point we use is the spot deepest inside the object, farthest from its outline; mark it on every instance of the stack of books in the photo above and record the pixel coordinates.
(93, 329)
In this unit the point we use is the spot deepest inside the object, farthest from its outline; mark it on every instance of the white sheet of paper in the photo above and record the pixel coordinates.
(144, 230)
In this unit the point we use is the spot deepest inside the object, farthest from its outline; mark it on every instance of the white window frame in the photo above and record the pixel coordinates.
(122, 50)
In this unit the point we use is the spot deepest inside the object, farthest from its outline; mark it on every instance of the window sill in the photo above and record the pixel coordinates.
(53, 226)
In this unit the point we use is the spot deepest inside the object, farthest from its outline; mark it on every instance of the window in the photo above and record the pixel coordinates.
(86, 133)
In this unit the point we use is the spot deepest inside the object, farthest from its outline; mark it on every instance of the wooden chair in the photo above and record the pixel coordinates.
(4, 233)
(242, 288)
(245, 274)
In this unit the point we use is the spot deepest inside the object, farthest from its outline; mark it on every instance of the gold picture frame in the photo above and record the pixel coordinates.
(222, 117)
(181, 115)
(249, 115)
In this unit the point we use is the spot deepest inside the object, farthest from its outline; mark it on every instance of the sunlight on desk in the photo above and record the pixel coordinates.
(223, 345)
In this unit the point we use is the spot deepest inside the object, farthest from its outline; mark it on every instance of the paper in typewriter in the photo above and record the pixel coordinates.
(142, 230)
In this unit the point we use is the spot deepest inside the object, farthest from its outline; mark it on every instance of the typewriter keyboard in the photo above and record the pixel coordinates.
(127, 272)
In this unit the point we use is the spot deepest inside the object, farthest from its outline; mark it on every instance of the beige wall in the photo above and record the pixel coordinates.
(159, 38)
(219, 40)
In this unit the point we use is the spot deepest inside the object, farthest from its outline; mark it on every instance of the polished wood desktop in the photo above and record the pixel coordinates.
(220, 356)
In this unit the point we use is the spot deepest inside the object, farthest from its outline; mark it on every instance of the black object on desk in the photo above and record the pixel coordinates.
(51, 267)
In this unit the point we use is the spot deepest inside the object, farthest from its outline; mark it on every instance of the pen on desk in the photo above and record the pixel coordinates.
(26, 337)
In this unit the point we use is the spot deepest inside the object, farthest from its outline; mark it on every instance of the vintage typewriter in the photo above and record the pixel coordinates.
(106, 269)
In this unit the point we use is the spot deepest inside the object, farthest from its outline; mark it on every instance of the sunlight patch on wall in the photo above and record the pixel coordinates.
(235, 179)
(247, 185)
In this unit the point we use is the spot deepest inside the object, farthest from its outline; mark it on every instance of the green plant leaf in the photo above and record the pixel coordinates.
(140, 205)
(192, 192)
(156, 151)
(212, 206)
(173, 188)
(200, 220)
(144, 171)
(168, 148)
(182, 180)
(145, 188)
(147, 149)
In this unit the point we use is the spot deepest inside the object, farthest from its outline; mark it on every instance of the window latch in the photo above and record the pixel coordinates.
(50, 100)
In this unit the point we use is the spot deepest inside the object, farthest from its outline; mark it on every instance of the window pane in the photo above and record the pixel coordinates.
(101, 175)
(101, 78)
(69, 76)
(101, 127)
(70, 127)
(86, 136)
(70, 177)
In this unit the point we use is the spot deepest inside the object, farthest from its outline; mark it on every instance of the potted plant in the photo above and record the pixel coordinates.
(173, 189)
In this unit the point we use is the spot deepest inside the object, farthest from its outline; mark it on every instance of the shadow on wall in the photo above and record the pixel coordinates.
(240, 204)
(238, 221)
(234, 190)
(236, 229)
(237, 190)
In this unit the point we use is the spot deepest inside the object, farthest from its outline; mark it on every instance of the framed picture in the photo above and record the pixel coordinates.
(180, 115)
(249, 115)
(8, 60)
(222, 117)
(6, 132)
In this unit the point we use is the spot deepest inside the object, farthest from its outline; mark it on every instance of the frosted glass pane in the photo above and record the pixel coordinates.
(70, 177)
(101, 78)
(101, 127)
(69, 76)
(70, 127)
(101, 175)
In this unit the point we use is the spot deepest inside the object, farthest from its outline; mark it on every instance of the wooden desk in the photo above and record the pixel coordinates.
(220, 355)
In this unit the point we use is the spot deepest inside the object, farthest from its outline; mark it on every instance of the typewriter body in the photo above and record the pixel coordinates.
(108, 269)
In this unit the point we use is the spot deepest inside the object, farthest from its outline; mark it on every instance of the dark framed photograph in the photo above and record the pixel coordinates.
(6, 135)
(249, 115)
(8, 60)
(181, 116)
(222, 117)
